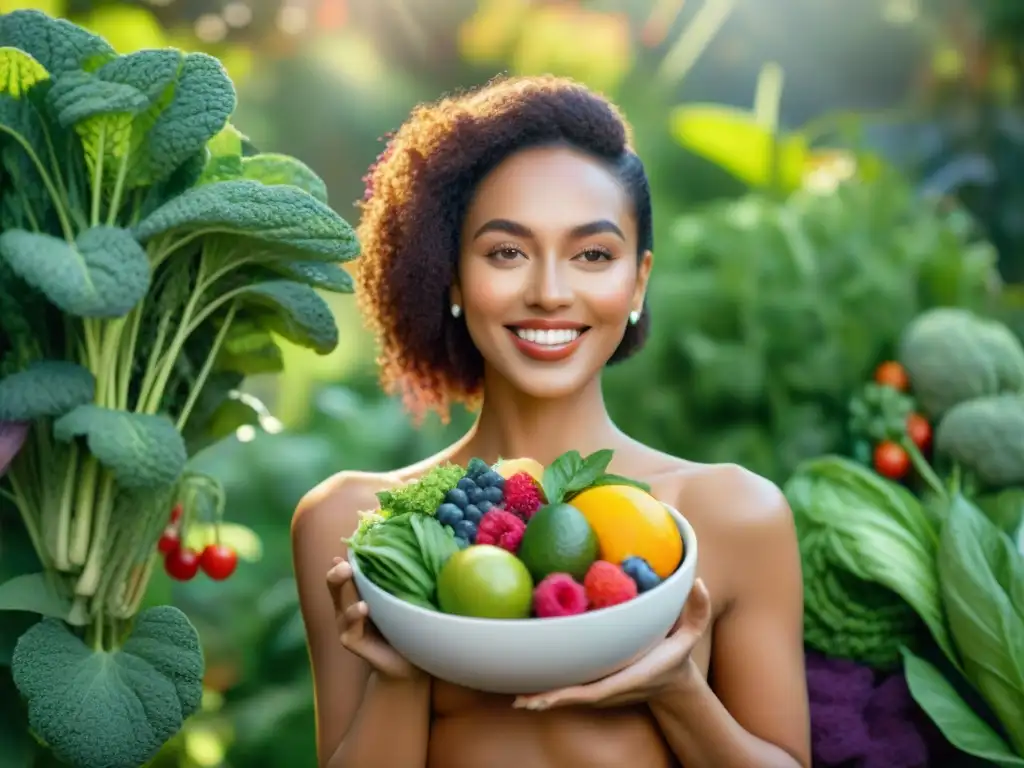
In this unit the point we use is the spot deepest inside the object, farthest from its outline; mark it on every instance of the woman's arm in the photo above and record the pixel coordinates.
(757, 716)
(356, 709)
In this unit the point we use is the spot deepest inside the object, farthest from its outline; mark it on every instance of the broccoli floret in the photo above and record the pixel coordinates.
(423, 496)
(986, 437)
(952, 355)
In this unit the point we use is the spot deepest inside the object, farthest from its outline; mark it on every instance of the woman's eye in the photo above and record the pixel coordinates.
(506, 254)
(593, 256)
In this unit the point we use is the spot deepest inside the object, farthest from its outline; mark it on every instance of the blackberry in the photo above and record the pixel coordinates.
(493, 494)
(641, 572)
(465, 530)
(449, 514)
(472, 513)
(457, 496)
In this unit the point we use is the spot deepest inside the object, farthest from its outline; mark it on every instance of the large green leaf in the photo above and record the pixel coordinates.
(294, 311)
(273, 168)
(279, 215)
(99, 709)
(32, 592)
(320, 274)
(104, 273)
(45, 388)
(982, 579)
(961, 726)
(57, 44)
(23, 145)
(143, 451)
(225, 160)
(19, 72)
(249, 349)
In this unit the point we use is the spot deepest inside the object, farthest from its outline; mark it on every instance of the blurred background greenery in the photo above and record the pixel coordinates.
(822, 171)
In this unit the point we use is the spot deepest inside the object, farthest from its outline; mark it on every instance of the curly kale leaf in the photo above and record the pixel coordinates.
(110, 709)
(45, 388)
(143, 451)
(103, 273)
(58, 45)
(281, 216)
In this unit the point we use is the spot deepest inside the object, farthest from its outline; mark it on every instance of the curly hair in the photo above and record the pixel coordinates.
(417, 193)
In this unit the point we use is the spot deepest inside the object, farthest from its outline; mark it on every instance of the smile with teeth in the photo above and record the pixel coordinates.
(556, 337)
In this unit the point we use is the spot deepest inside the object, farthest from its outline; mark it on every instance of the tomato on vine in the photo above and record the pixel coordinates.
(892, 374)
(919, 431)
(182, 564)
(891, 460)
(218, 561)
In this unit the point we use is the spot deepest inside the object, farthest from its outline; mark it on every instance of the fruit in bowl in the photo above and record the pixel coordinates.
(527, 580)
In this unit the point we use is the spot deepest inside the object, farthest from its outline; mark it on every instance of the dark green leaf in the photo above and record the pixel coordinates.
(22, 142)
(281, 215)
(45, 388)
(958, 722)
(319, 274)
(17, 746)
(103, 274)
(81, 95)
(142, 450)
(294, 311)
(272, 168)
(111, 709)
(609, 479)
(57, 44)
(249, 349)
(593, 467)
(34, 593)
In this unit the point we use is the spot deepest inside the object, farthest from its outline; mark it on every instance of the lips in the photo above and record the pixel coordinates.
(549, 337)
(547, 341)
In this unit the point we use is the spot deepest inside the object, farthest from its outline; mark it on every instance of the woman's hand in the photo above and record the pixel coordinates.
(664, 667)
(358, 634)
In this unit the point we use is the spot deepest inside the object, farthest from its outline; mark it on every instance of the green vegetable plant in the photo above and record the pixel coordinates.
(148, 260)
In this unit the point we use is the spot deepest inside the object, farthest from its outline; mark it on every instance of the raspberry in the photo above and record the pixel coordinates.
(607, 585)
(522, 495)
(559, 595)
(502, 529)
(640, 571)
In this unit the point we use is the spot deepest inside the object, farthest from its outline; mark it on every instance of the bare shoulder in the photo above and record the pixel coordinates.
(738, 499)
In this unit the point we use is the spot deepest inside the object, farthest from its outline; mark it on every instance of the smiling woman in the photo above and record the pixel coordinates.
(507, 250)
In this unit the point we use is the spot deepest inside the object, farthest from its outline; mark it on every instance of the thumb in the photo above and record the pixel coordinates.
(696, 614)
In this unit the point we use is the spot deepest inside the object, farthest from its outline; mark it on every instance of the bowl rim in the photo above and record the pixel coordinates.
(689, 555)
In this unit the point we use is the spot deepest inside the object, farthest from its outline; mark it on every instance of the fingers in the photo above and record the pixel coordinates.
(697, 613)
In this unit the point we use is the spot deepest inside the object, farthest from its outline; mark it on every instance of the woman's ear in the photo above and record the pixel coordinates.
(643, 276)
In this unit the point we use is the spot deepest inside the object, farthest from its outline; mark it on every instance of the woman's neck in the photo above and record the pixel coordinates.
(513, 425)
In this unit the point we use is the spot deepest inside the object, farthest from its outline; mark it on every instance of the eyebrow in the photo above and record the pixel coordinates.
(516, 229)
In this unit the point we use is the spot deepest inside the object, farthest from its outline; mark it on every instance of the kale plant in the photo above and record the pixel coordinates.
(147, 264)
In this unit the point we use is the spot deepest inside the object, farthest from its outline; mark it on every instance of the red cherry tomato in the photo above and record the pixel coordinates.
(169, 540)
(182, 564)
(176, 513)
(919, 431)
(219, 561)
(892, 374)
(891, 460)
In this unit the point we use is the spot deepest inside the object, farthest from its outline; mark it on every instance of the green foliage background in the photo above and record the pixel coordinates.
(770, 304)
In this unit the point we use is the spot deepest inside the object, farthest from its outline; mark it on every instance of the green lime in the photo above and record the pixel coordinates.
(485, 582)
(558, 539)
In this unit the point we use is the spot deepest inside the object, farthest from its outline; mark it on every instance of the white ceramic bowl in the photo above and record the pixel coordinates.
(515, 656)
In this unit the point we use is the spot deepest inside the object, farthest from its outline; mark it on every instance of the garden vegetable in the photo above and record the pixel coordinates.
(892, 374)
(146, 267)
(891, 460)
(424, 495)
(985, 436)
(953, 355)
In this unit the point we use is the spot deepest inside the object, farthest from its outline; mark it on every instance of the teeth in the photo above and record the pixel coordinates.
(552, 338)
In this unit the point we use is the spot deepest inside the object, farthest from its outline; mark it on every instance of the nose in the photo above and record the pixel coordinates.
(549, 288)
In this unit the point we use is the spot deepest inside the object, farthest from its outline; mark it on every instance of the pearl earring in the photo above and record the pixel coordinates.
(634, 317)
(456, 310)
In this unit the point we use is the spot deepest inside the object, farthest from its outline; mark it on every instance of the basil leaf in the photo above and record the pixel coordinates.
(558, 474)
(592, 468)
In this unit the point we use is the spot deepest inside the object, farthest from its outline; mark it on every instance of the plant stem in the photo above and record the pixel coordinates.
(89, 581)
(204, 373)
(97, 178)
(81, 529)
(65, 224)
(924, 469)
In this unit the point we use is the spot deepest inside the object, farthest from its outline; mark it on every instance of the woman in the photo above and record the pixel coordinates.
(507, 246)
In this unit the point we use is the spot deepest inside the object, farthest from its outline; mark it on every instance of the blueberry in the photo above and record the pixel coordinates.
(484, 507)
(466, 484)
(492, 480)
(476, 495)
(640, 572)
(448, 514)
(465, 530)
(493, 495)
(472, 513)
(458, 497)
(477, 467)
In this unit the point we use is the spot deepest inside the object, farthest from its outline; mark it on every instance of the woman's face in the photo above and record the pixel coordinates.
(548, 271)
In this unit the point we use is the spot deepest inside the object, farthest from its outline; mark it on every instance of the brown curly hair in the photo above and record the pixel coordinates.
(416, 196)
